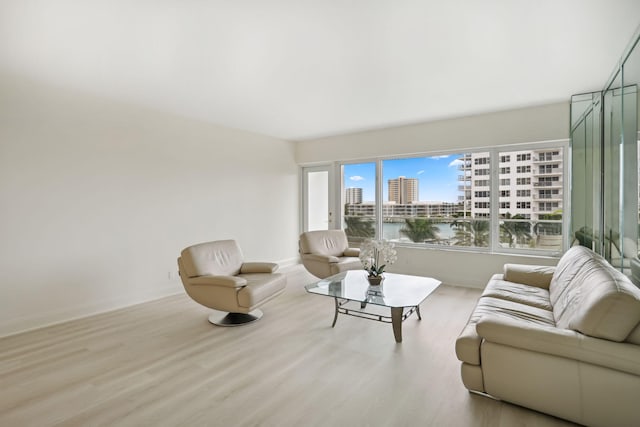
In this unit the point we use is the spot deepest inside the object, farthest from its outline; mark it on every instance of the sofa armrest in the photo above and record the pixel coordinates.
(352, 252)
(227, 281)
(560, 342)
(532, 275)
(321, 258)
(258, 267)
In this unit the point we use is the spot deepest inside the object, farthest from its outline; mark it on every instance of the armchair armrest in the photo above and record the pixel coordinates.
(352, 252)
(228, 281)
(258, 267)
(532, 275)
(321, 258)
(560, 342)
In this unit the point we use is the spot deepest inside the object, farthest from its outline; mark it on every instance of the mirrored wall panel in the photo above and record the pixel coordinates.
(586, 182)
(604, 153)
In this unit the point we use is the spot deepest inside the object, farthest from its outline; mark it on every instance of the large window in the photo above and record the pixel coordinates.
(499, 199)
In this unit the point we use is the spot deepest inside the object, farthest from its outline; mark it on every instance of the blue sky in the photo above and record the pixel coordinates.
(437, 176)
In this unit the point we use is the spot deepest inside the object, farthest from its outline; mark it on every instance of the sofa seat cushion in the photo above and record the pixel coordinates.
(259, 288)
(561, 343)
(468, 343)
(517, 292)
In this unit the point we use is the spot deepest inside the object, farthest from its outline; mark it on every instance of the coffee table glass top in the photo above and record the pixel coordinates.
(397, 290)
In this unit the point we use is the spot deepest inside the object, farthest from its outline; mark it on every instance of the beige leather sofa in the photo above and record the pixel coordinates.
(563, 340)
(327, 252)
(215, 275)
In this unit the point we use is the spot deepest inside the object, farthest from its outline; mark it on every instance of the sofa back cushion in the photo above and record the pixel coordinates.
(571, 263)
(593, 298)
(219, 258)
(324, 242)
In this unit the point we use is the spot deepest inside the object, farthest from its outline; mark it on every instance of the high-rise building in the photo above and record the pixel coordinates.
(403, 190)
(353, 196)
(530, 183)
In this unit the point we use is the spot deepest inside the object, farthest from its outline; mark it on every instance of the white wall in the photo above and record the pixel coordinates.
(542, 123)
(98, 198)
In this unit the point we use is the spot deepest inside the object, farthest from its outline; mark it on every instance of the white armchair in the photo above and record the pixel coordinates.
(215, 275)
(327, 252)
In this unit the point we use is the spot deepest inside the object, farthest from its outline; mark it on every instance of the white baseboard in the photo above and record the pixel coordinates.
(38, 320)
(289, 262)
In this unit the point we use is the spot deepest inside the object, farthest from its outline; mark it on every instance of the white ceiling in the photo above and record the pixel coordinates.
(300, 69)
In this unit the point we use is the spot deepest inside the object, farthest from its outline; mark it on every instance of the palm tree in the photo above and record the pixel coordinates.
(514, 231)
(420, 229)
(472, 232)
(359, 227)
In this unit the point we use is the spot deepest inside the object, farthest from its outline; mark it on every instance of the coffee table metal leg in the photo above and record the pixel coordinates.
(418, 312)
(335, 316)
(396, 322)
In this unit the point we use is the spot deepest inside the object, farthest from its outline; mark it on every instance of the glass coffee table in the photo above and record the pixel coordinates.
(398, 292)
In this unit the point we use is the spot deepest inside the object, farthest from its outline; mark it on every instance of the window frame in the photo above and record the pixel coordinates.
(495, 154)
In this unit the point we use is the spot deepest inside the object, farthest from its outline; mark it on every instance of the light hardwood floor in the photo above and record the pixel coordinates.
(162, 364)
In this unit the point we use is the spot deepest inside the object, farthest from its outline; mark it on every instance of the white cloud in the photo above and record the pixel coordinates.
(420, 172)
(456, 162)
(356, 178)
(440, 157)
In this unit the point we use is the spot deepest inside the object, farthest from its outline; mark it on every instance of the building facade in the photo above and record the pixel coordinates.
(403, 190)
(391, 209)
(530, 183)
(353, 196)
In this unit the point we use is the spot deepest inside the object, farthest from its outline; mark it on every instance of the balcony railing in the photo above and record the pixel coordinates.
(544, 209)
(548, 184)
(552, 159)
(548, 197)
(548, 172)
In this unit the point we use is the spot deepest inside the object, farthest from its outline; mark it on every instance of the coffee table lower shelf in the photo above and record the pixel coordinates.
(398, 315)
(400, 293)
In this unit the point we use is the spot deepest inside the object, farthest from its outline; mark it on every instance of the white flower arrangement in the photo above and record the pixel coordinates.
(372, 251)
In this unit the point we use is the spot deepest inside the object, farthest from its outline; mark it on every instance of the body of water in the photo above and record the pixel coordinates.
(391, 231)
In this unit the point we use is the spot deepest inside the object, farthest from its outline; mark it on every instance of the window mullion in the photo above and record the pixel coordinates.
(379, 201)
(494, 212)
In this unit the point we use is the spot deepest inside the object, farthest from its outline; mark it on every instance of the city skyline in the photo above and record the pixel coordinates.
(529, 183)
(437, 177)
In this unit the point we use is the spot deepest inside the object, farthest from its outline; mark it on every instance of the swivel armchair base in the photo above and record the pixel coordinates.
(221, 318)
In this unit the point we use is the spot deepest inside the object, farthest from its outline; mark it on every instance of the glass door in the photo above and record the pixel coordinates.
(317, 196)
